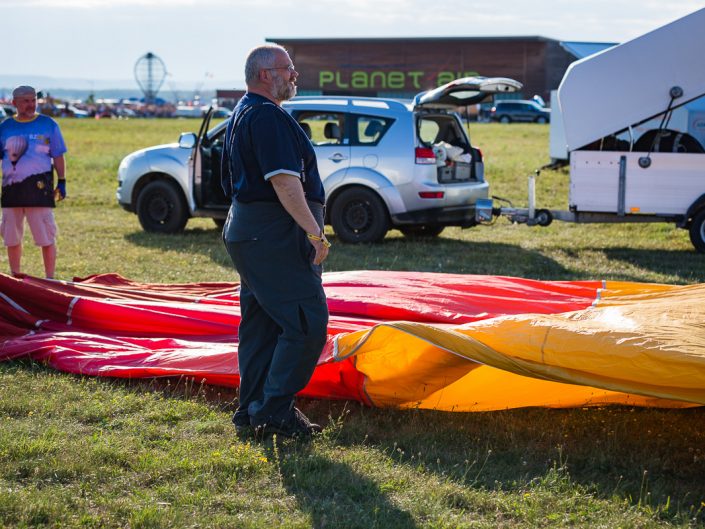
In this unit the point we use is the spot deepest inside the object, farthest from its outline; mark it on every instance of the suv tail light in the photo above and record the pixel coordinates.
(425, 156)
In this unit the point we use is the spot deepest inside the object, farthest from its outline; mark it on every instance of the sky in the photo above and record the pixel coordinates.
(204, 42)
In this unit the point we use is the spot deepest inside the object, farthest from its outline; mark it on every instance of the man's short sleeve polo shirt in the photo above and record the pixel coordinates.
(276, 146)
(268, 141)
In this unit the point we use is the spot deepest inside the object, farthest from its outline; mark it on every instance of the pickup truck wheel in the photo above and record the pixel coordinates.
(358, 215)
(505, 119)
(161, 208)
(422, 230)
(697, 231)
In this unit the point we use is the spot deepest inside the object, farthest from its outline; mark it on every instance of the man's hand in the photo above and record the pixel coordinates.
(321, 246)
(291, 195)
(60, 191)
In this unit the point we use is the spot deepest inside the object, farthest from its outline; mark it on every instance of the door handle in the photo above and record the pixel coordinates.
(337, 157)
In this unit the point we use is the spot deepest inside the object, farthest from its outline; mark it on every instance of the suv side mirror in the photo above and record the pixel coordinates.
(187, 140)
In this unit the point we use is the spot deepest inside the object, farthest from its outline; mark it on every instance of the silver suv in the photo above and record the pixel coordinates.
(384, 164)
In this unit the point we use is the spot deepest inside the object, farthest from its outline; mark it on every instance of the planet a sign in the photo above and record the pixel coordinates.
(386, 79)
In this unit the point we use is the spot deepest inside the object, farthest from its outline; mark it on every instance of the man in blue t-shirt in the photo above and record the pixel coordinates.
(274, 235)
(32, 148)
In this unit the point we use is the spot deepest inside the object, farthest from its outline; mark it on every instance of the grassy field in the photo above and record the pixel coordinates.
(77, 452)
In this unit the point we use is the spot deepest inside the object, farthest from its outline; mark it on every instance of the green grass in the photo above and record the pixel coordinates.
(80, 452)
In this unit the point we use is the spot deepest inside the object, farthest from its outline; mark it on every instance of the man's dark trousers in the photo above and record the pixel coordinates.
(283, 307)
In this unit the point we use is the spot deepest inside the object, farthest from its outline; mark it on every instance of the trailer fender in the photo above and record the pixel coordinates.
(693, 210)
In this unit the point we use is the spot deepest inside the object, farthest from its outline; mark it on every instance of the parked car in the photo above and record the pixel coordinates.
(72, 111)
(221, 112)
(187, 111)
(384, 164)
(519, 110)
(125, 112)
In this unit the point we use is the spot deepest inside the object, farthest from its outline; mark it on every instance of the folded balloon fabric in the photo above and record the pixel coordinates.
(396, 339)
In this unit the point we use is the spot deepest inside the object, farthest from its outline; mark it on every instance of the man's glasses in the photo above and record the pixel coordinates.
(290, 68)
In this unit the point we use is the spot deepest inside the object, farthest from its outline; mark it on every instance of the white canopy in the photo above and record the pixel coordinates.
(621, 86)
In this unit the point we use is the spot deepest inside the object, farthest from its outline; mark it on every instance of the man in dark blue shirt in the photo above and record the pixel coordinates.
(274, 235)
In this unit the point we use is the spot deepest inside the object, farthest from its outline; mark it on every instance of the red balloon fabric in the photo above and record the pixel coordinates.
(107, 325)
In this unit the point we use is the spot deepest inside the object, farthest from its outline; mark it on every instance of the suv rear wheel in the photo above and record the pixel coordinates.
(359, 215)
(161, 208)
(505, 119)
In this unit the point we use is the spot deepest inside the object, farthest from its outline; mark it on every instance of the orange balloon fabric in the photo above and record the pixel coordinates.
(403, 339)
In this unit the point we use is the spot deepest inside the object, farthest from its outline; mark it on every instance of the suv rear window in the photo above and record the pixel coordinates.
(433, 129)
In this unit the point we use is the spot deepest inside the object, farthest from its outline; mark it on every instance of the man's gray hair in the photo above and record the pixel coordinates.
(258, 58)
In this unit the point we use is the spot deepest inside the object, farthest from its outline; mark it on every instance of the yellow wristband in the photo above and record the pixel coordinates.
(323, 239)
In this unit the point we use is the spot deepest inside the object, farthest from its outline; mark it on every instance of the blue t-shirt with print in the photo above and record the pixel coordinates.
(268, 141)
(27, 149)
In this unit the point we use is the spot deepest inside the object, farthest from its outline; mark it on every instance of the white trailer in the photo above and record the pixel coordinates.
(616, 176)
(689, 118)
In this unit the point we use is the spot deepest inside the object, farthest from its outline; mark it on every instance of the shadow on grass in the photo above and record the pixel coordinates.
(335, 495)
(204, 241)
(645, 456)
(332, 492)
(447, 255)
(688, 266)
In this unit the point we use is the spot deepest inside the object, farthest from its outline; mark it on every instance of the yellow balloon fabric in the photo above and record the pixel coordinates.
(638, 344)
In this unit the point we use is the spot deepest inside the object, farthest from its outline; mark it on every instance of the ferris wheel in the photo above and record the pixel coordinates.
(150, 73)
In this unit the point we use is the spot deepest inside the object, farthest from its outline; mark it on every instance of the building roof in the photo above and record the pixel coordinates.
(373, 40)
(581, 50)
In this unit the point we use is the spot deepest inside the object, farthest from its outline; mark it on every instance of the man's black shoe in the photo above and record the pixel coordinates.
(297, 425)
(243, 428)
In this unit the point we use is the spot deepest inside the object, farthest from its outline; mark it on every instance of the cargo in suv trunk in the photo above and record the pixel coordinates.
(440, 132)
(442, 137)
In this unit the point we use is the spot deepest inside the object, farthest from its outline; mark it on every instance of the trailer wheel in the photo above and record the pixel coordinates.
(697, 231)
(543, 217)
